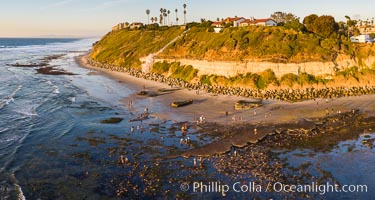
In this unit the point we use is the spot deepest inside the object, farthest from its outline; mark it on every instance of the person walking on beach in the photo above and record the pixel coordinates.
(201, 119)
(184, 128)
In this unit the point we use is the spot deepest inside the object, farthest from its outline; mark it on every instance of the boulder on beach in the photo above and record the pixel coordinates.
(247, 104)
(112, 120)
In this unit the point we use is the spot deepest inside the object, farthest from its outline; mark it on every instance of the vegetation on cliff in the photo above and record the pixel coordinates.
(293, 42)
(125, 47)
(318, 39)
(175, 70)
(273, 44)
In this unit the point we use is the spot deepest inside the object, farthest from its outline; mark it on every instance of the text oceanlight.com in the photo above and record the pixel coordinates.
(251, 187)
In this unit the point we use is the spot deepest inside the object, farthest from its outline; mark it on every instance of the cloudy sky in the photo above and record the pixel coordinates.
(92, 18)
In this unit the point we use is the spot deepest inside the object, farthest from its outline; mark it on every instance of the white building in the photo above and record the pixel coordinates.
(120, 26)
(265, 22)
(236, 21)
(218, 24)
(258, 22)
(361, 39)
(136, 25)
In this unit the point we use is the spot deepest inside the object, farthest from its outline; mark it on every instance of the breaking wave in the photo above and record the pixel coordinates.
(9, 99)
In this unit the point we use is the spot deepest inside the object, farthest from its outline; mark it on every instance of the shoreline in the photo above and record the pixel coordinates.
(255, 123)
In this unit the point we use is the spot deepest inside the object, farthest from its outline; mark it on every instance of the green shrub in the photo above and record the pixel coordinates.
(183, 72)
(349, 72)
(160, 67)
(205, 79)
(289, 79)
(306, 79)
(268, 77)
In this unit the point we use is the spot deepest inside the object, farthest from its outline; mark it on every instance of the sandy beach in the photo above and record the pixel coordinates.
(235, 127)
(215, 107)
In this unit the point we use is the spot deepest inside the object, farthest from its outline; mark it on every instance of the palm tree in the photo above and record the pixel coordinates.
(349, 24)
(184, 13)
(161, 19)
(152, 20)
(176, 16)
(177, 20)
(168, 12)
(165, 19)
(164, 15)
(148, 16)
(185, 17)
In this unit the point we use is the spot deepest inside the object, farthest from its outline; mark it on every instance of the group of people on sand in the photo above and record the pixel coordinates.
(185, 140)
(139, 128)
(141, 117)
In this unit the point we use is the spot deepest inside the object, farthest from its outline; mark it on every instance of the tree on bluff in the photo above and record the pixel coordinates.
(282, 17)
(288, 20)
(309, 21)
(324, 25)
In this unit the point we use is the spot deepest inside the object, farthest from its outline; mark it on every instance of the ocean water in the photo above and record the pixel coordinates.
(35, 109)
(52, 142)
(54, 146)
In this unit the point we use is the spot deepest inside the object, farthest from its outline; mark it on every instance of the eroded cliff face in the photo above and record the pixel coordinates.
(232, 68)
(234, 51)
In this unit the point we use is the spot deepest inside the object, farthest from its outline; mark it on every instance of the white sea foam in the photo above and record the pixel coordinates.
(3, 130)
(10, 139)
(27, 112)
(20, 194)
(56, 91)
(73, 99)
(5, 102)
(6, 141)
(9, 99)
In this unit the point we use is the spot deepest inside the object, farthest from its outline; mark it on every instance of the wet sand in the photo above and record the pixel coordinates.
(214, 107)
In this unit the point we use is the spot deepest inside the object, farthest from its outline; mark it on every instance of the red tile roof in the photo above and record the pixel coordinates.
(233, 19)
(256, 21)
(262, 20)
